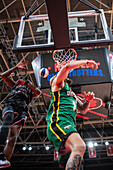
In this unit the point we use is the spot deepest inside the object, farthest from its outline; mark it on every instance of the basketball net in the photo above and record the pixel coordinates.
(64, 56)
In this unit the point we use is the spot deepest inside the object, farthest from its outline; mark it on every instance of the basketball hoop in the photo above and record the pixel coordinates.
(61, 57)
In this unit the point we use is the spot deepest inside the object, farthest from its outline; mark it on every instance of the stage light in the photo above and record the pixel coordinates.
(106, 143)
(7, 140)
(29, 148)
(90, 144)
(47, 147)
(95, 144)
(24, 148)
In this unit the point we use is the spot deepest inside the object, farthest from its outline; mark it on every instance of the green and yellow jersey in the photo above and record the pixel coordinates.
(61, 116)
(63, 105)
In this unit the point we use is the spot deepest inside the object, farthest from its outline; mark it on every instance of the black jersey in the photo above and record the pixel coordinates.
(20, 95)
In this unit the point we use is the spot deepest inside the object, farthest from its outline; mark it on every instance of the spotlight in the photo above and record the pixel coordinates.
(95, 144)
(47, 148)
(106, 143)
(30, 148)
(7, 140)
(24, 148)
(90, 144)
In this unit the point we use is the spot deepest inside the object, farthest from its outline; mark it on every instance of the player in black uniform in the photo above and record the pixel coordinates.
(14, 112)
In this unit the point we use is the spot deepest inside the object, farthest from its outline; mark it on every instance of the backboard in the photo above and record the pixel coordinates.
(86, 29)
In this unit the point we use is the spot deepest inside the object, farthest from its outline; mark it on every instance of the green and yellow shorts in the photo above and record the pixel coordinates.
(58, 132)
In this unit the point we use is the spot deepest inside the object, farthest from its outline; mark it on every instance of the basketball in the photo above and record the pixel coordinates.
(44, 72)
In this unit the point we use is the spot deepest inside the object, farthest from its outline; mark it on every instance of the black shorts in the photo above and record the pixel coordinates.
(19, 115)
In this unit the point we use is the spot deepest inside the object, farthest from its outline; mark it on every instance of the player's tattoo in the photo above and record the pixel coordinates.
(75, 163)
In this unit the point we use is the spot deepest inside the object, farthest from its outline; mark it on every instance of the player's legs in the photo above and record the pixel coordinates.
(7, 120)
(12, 138)
(76, 146)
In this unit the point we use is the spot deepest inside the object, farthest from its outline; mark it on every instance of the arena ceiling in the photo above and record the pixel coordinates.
(34, 132)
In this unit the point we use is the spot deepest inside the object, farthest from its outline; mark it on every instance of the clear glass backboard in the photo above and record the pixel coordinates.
(86, 29)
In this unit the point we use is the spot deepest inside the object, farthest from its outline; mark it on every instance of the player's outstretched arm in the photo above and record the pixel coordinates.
(78, 63)
(83, 108)
(6, 74)
(63, 73)
(36, 91)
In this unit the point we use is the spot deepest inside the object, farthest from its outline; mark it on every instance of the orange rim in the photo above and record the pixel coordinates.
(58, 50)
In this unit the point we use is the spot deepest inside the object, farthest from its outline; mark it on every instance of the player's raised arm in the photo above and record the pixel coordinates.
(36, 91)
(6, 74)
(83, 107)
(63, 73)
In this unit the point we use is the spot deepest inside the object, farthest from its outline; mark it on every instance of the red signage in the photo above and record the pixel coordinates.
(110, 55)
(109, 149)
(92, 152)
(56, 155)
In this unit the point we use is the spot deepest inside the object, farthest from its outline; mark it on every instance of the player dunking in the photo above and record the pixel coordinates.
(61, 117)
(14, 112)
